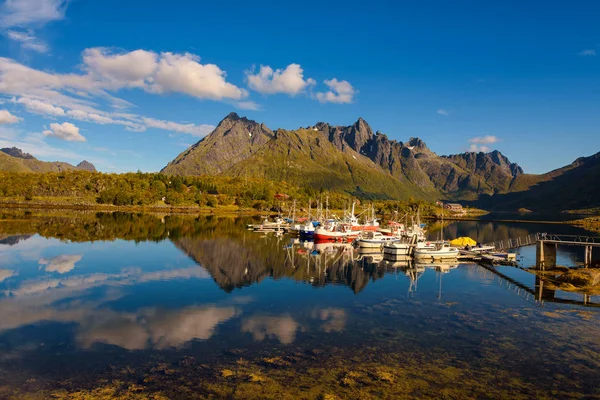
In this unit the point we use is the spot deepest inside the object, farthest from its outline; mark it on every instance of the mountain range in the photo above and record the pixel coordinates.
(14, 160)
(349, 158)
(367, 164)
(370, 165)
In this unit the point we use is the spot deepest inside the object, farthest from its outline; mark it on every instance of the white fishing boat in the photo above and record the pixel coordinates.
(371, 239)
(405, 249)
(396, 249)
(438, 252)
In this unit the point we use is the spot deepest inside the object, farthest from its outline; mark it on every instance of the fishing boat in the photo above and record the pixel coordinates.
(438, 252)
(371, 223)
(396, 249)
(371, 239)
(393, 229)
(307, 231)
(335, 232)
(266, 225)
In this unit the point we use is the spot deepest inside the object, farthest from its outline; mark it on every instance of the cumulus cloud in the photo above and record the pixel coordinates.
(183, 73)
(80, 96)
(120, 70)
(341, 92)
(65, 131)
(7, 118)
(289, 80)
(61, 264)
(443, 112)
(587, 53)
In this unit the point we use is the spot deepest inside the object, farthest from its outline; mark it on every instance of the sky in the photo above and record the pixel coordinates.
(128, 85)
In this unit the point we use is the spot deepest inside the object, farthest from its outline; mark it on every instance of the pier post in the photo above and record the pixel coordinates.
(545, 255)
(542, 293)
(588, 256)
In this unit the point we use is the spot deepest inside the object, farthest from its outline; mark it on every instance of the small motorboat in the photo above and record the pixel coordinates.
(376, 240)
(437, 252)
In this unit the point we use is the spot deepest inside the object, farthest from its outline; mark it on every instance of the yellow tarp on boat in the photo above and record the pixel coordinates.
(463, 241)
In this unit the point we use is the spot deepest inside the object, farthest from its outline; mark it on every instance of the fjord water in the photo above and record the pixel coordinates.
(199, 307)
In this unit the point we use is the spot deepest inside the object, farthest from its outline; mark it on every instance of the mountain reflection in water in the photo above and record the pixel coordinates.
(173, 305)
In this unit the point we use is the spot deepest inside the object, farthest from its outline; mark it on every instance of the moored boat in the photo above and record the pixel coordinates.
(371, 239)
(440, 251)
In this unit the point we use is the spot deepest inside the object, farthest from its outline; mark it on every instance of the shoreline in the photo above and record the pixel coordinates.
(190, 210)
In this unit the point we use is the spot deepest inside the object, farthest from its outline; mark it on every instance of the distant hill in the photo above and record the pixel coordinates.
(575, 186)
(14, 160)
(349, 158)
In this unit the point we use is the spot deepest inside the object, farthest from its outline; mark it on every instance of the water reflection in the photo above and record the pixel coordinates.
(61, 264)
(262, 326)
(152, 328)
(199, 296)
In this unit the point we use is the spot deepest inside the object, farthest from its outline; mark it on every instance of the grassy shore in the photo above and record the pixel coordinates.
(590, 223)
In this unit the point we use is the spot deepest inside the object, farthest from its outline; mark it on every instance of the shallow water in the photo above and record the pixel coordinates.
(143, 306)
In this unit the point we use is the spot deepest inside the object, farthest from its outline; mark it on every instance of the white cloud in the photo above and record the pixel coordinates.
(28, 40)
(61, 264)
(31, 12)
(183, 73)
(79, 96)
(489, 139)
(120, 70)
(587, 53)
(478, 148)
(7, 118)
(65, 131)
(340, 92)
(106, 118)
(194, 130)
(28, 15)
(40, 107)
(248, 105)
(289, 80)
(479, 143)
(443, 112)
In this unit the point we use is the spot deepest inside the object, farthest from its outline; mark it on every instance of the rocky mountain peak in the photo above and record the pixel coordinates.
(86, 166)
(232, 116)
(18, 153)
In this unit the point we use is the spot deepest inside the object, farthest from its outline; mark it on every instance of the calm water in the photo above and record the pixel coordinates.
(143, 306)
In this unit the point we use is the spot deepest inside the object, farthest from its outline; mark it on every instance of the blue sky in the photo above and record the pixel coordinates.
(129, 85)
